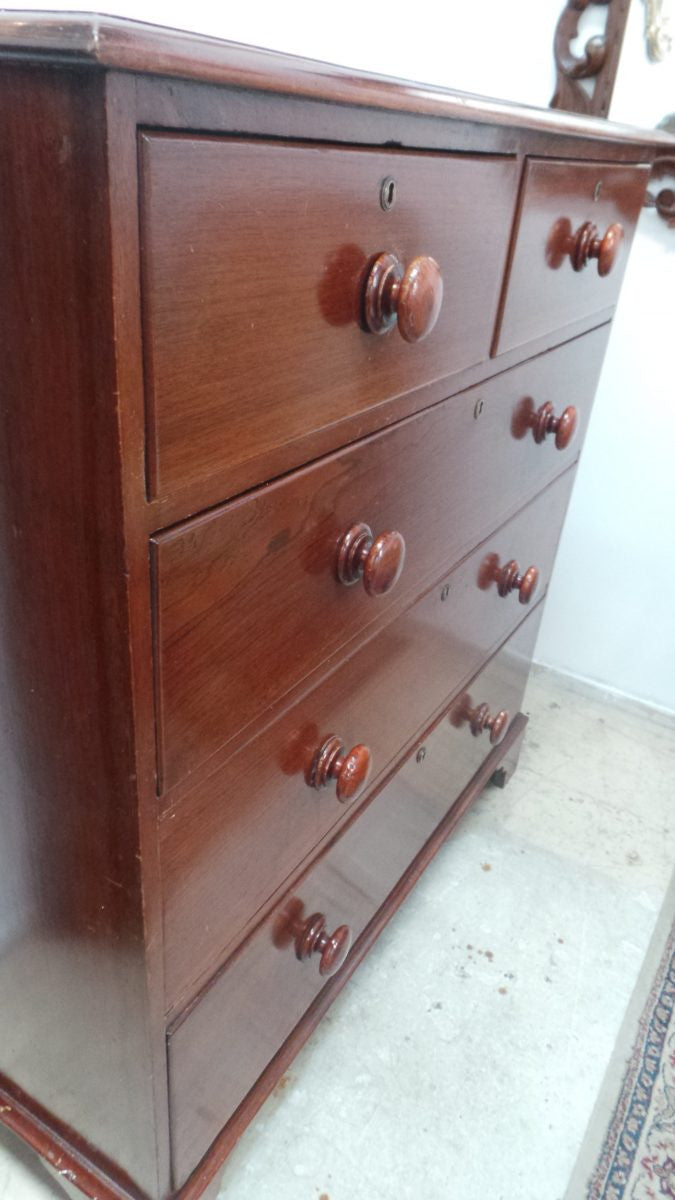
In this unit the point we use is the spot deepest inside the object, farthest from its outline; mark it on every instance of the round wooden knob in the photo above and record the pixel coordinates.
(587, 244)
(509, 579)
(378, 561)
(350, 771)
(311, 938)
(479, 719)
(544, 421)
(410, 296)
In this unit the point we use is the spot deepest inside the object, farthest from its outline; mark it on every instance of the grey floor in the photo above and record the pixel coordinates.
(463, 1059)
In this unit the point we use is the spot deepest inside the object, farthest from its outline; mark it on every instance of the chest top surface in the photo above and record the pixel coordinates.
(106, 42)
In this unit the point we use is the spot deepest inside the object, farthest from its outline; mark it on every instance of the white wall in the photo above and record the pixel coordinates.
(644, 91)
(609, 615)
(496, 48)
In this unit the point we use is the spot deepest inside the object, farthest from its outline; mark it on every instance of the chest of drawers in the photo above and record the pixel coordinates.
(296, 369)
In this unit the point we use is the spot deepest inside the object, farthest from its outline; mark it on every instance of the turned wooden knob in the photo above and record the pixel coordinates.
(586, 244)
(311, 938)
(509, 579)
(544, 421)
(411, 296)
(480, 719)
(378, 561)
(350, 771)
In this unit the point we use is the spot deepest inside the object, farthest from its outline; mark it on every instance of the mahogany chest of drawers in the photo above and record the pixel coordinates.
(296, 369)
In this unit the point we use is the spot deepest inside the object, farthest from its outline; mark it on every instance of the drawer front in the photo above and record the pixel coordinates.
(254, 263)
(234, 841)
(217, 1053)
(247, 597)
(544, 291)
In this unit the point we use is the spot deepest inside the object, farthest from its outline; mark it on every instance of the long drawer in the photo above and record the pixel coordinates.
(231, 843)
(218, 1051)
(248, 601)
(254, 263)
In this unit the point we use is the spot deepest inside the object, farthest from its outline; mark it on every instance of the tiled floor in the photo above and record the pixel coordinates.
(464, 1057)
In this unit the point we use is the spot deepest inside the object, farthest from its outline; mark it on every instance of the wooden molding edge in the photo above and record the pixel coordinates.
(114, 43)
(67, 1156)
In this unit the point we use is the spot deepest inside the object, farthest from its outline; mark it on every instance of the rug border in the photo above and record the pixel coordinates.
(641, 1075)
(594, 1161)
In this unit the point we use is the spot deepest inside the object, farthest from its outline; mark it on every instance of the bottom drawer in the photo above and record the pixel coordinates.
(217, 1052)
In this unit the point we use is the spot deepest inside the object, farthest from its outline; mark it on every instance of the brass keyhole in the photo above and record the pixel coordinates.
(388, 193)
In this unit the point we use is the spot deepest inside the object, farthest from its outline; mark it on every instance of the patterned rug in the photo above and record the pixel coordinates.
(637, 1161)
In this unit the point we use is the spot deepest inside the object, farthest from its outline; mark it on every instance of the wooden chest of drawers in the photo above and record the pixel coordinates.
(297, 366)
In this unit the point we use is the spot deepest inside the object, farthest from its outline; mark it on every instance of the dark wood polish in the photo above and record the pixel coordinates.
(351, 880)
(561, 206)
(276, 1067)
(584, 245)
(598, 63)
(205, 442)
(508, 578)
(589, 244)
(311, 938)
(228, 845)
(249, 599)
(349, 769)
(663, 199)
(263, 341)
(120, 44)
(479, 718)
(378, 561)
(409, 297)
(544, 421)
(72, 964)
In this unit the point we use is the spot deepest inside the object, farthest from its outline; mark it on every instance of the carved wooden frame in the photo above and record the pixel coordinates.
(599, 61)
(663, 200)
(663, 167)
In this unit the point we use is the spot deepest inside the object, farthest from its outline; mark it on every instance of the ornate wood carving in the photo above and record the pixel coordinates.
(664, 168)
(599, 61)
(664, 200)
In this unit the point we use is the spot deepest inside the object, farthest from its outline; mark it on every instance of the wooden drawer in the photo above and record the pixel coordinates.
(232, 842)
(219, 1050)
(247, 598)
(544, 291)
(254, 261)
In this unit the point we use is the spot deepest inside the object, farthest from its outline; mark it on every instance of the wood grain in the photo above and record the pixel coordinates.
(350, 882)
(248, 600)
(124, 45)
(255, 258)
(544, 292)
(72, 968)
(230, 1134)
(81, 898)
(231, 843)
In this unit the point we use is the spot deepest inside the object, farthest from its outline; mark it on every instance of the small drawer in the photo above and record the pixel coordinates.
(219, 1050)
(576, 223)
(255, 261)
(233, 842)
(248, 599)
